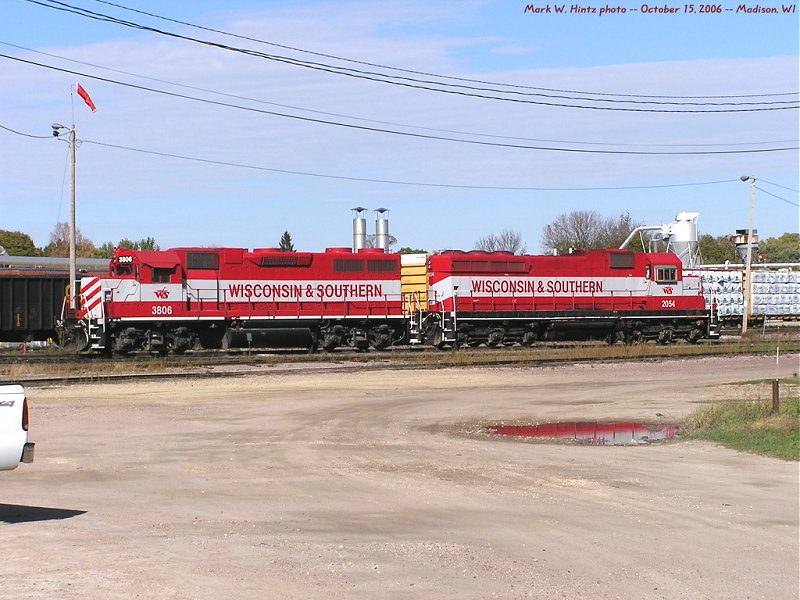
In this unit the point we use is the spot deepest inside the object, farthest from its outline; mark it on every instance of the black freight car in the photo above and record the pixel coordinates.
(30, 303)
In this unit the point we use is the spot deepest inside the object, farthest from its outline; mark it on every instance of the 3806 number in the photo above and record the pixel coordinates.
(162, 310)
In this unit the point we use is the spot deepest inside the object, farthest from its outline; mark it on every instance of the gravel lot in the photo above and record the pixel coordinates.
(370, 485)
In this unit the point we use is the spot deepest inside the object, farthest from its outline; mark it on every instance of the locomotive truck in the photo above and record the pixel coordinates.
(172, 300)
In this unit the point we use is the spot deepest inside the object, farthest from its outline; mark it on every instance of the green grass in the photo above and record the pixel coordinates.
(750, 427)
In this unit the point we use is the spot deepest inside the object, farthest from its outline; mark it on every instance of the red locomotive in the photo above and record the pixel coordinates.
(229, 297)
(617, 295)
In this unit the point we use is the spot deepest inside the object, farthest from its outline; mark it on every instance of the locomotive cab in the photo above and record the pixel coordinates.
(122, 263)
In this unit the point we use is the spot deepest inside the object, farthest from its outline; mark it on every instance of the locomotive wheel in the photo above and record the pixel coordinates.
(634, 337)
(665, 336)
(495, 338)
(695, 335)
(529, 338)
(329, 342)
(380, 338)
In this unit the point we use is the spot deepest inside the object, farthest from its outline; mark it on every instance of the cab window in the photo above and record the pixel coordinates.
(162, 275)
(666, 274)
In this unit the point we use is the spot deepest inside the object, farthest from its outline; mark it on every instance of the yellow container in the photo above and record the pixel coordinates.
(414, 282)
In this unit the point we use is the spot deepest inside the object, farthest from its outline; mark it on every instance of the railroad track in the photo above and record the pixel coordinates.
(39, 370)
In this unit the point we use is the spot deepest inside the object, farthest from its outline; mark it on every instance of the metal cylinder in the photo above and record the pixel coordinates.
(682, 237)
(382, 229)
(740, 240)
(359, 228)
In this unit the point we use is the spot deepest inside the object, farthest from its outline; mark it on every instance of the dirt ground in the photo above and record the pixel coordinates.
(367, 485)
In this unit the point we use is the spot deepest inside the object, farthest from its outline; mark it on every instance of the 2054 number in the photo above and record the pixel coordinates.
(668, 304)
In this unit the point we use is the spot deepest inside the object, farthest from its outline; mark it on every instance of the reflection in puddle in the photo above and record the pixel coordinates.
(592, 433)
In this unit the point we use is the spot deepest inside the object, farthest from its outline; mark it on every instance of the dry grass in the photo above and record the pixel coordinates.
(35, 365)
(750, 425)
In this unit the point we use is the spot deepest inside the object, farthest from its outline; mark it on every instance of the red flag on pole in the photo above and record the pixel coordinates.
(82, 93)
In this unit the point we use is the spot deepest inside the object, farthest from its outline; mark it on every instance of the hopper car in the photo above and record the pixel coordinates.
(31, 303)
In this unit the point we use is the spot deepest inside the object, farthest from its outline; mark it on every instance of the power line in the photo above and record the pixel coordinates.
(370, 64)
(355, 72)
(778, 185)
(424, 85)
(394, 132)
(476, 134)
(40, 137)
(398, 182)
(392, 181)
(778, 197)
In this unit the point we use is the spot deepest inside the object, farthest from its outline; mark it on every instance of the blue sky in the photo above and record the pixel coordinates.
(122, 193)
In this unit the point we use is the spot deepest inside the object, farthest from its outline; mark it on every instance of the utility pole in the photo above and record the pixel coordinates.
(748, 290)
(58, 129)
(73, 251)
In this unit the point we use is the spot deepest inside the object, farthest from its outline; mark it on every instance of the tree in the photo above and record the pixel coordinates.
(106, 250)
(286, 245)
(148, 243)
(783, 249)
(506, 240)
(588, 229)
(59, 243)
(617, 230)
(409, 250)
(17, 243)
(717, 250)
(372, 241)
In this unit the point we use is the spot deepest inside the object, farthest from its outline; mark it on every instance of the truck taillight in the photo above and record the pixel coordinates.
(25, 414)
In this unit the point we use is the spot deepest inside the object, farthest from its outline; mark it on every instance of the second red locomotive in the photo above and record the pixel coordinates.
(617, 295)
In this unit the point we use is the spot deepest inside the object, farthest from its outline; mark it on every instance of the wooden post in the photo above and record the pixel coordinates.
(776, 396)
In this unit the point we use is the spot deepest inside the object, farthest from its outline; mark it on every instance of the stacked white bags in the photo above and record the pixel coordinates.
(774, 293)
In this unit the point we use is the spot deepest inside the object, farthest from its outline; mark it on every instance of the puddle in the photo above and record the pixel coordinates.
(591, 433)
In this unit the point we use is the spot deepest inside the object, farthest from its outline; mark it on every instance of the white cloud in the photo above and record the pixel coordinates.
(515, 50)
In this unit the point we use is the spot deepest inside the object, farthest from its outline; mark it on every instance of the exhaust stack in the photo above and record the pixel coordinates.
(359, 228)
(382, 229)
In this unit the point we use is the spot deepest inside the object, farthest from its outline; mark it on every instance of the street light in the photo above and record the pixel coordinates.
(58, 129)
(748, 290)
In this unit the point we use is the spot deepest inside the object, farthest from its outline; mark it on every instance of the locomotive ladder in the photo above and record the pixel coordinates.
(95, 328)
(414, 307)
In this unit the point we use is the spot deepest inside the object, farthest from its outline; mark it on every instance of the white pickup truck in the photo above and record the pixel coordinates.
(14, 445)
